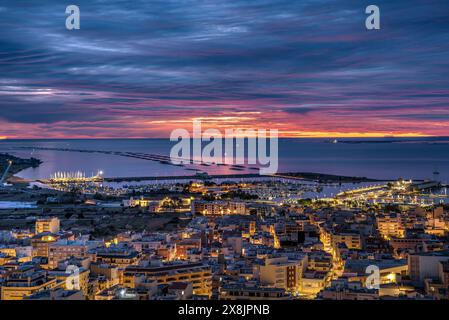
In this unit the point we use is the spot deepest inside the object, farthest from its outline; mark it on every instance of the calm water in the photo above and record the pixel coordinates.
(374, 158)
(17, 205)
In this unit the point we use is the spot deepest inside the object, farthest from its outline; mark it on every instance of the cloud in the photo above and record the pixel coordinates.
(304, 65)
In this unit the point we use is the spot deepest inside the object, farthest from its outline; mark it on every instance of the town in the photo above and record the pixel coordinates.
(265, 238)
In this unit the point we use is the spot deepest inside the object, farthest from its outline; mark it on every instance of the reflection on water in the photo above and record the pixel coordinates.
(416, 159)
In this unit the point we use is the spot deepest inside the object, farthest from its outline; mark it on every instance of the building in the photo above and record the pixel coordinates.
(153, 205)
(399, 244)
(64, 249)
(107, 271)
(181, 290)
(199, 274)
(426, 265)
(218, 207)
(62, 275)
(390, 270)
(390, 226)
(344, 290)
(41, 243)
(51, 225)
(350, 239)
(182, 247)
(319, 261)
(117, 256)
(247, 292)
(282, 272)
(117, 292)
(26, 281)
(312, 282)
(57, 294)
(233, 240)
(5, 258)
(439, 288)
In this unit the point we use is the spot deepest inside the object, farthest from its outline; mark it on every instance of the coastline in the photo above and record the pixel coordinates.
(18, 164)
(305, 176)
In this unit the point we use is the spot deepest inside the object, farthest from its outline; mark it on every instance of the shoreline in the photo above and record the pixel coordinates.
(306, 176)
(18, 165)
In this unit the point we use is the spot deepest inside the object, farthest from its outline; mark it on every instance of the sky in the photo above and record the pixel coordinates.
(140, 69)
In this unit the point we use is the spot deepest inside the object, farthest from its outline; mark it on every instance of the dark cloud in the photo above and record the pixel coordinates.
(169, 58)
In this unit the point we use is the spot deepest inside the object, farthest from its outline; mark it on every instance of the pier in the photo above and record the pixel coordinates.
(163, 159)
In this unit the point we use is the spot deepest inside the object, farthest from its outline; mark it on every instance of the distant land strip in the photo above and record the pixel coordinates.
(306, 176)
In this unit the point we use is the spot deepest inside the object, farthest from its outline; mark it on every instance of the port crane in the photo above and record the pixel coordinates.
(3, 178)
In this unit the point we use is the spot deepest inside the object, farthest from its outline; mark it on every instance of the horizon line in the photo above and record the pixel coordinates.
(283, 137)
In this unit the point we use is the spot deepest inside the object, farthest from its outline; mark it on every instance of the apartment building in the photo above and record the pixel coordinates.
(25, 281)
(351, 240)
(218, 207)
(41, 243)
(51, 225)
(199, 274)
(118, 257)
(282, 272)
(64, 249)
(426, 265)
(390, 226)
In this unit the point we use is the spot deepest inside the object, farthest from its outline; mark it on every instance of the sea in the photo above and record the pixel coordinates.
(375, 158)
